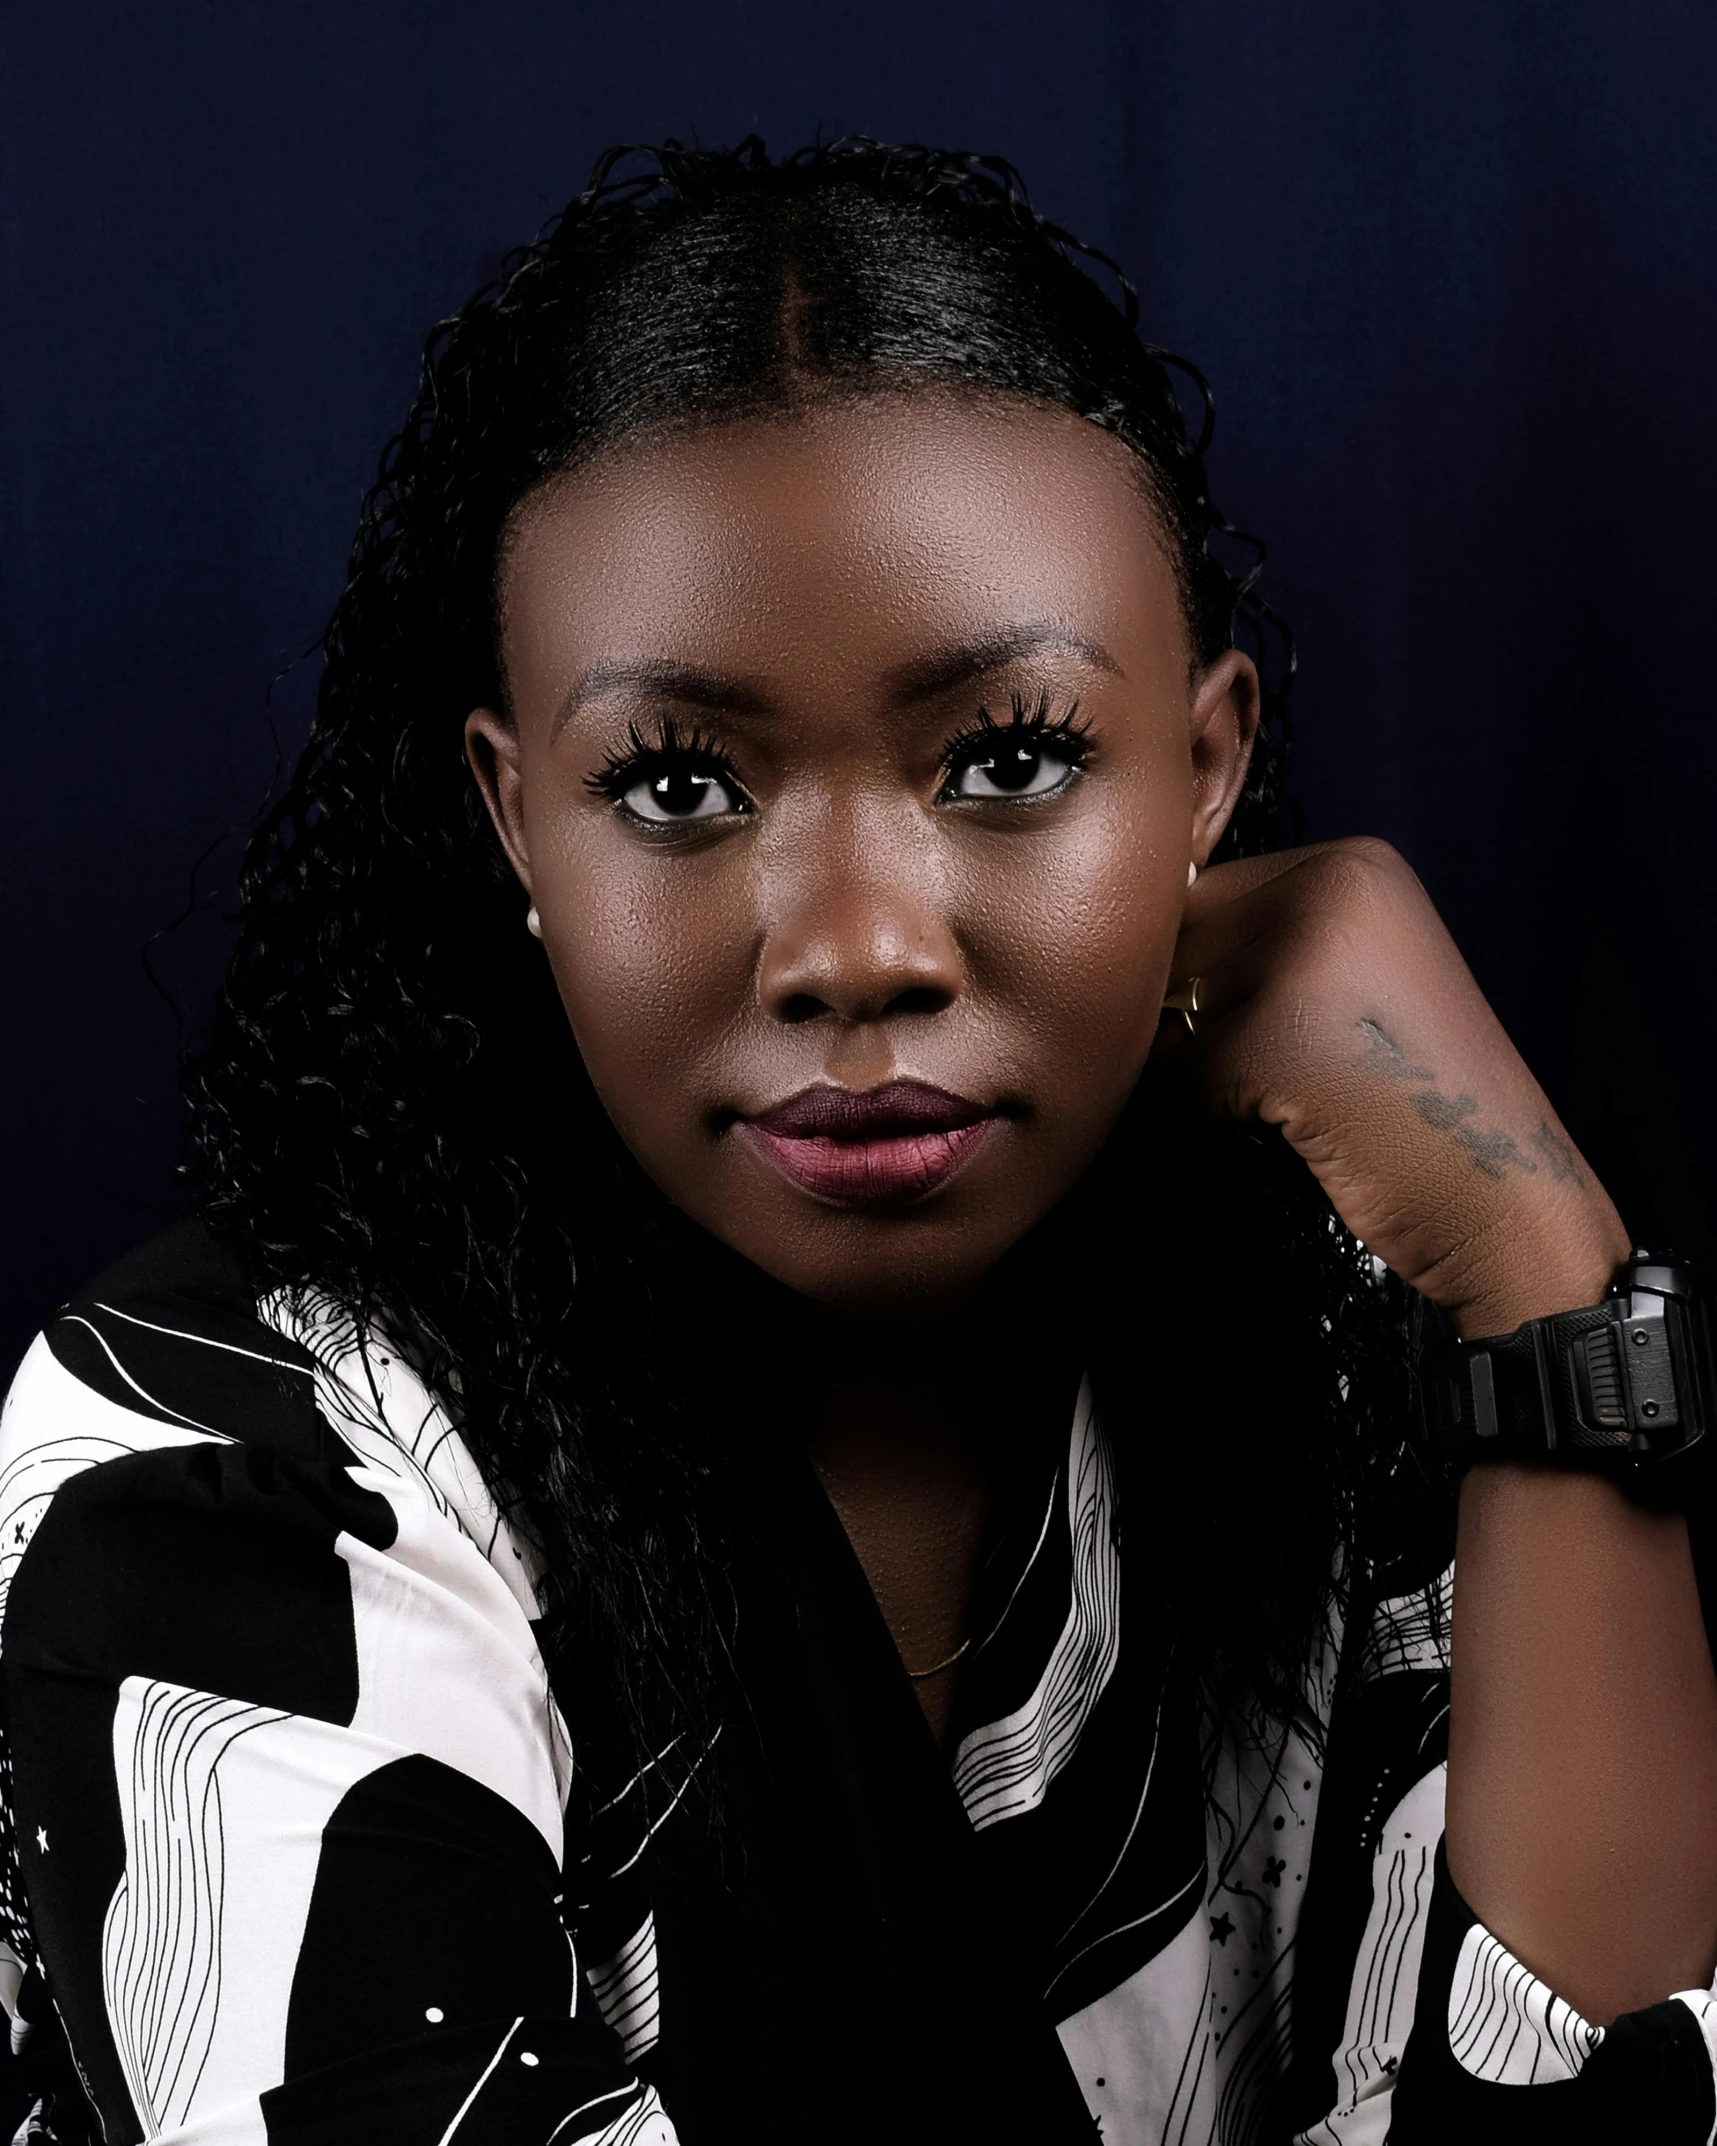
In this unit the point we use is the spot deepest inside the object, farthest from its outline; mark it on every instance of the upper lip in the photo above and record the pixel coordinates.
(900, 1109)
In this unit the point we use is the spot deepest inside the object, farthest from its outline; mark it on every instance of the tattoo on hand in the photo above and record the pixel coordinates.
(1386, 1055)
(1492, 1152)
(1558, 1156)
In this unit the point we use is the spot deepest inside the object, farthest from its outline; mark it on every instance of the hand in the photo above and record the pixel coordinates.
(1334, 1004)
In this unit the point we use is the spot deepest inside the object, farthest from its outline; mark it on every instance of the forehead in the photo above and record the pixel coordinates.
(852, 532)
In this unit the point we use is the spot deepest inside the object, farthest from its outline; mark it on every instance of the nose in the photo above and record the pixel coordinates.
(859, 938)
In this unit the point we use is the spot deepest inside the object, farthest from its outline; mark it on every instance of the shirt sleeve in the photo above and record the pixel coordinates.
(1495, 2054)
(282, 1782)
(1447, 2036)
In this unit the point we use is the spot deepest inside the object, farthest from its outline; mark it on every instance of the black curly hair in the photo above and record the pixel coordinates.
(391, 1108)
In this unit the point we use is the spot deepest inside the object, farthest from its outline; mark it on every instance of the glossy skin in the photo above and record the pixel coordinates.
(835, 582)
(812, 596)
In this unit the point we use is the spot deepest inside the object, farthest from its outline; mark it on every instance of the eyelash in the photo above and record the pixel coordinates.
(1031, 724)
(642, 758)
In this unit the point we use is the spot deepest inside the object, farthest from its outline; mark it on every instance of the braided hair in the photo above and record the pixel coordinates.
(391, 1109)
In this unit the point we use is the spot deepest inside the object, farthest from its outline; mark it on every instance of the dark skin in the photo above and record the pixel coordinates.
(828, 600)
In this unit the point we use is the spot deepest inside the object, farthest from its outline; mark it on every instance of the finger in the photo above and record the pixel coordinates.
(1225, 953)
(1220, 884)
(1217, 884)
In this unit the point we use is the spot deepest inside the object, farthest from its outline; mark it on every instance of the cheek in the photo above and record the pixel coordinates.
(652, 977)
(1079, 942)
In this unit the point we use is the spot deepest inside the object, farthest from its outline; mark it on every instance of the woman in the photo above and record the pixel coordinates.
(736, 1524)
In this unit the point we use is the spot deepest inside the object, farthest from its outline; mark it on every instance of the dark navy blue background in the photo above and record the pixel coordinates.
(1453, 269)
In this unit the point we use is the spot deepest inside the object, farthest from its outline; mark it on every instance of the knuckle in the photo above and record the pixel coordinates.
(1372, 853)
(1365, 869)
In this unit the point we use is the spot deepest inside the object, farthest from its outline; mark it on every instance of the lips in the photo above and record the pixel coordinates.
(887, 1146)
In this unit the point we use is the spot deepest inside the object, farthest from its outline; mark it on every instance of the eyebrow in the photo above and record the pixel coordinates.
(920, 680)
(655, 674)
(956, 666)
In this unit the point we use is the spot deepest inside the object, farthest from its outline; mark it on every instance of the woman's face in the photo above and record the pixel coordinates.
(854, 765)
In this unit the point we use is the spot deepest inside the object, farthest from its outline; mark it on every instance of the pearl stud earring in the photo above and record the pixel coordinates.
(533, 923)
(1191, 875)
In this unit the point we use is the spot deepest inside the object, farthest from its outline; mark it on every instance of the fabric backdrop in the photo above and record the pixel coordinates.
(1451, 268)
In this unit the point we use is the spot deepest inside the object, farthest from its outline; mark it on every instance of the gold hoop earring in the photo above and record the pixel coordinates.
(1185, 1002)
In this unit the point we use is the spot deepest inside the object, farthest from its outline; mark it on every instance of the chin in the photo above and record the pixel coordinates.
(892, 1272)
(911, 1263)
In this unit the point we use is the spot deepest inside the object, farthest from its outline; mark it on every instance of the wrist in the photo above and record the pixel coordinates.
(1531, 1267)
(1625, 1386)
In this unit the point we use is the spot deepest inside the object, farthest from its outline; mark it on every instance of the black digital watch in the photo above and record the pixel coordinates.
(1627, 1386)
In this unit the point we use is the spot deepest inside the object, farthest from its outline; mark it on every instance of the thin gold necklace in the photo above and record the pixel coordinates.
(918, 1676)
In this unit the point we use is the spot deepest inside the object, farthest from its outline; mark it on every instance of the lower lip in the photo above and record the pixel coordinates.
(871, 1173)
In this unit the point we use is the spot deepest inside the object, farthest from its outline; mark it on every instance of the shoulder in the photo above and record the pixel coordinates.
(168, 1341)
(173, 1363)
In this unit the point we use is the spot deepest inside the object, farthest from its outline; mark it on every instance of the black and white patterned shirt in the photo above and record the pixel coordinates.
(299, 1849)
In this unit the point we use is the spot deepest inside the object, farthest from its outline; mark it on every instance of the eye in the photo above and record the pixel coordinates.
(1032, 755)
(1013, 768)
(672, 780)
(674, 795)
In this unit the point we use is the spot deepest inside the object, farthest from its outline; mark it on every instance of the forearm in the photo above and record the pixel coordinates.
(1582, 1791)
(1582, 1801)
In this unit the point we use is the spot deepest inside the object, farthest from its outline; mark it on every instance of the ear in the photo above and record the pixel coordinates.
(492, 747)
(1227, 705)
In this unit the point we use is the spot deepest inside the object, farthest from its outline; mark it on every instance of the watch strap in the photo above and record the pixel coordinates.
(1624, 1385)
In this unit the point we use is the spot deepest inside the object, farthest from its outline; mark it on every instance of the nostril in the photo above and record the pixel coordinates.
(801, 1006)
(922, 998)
